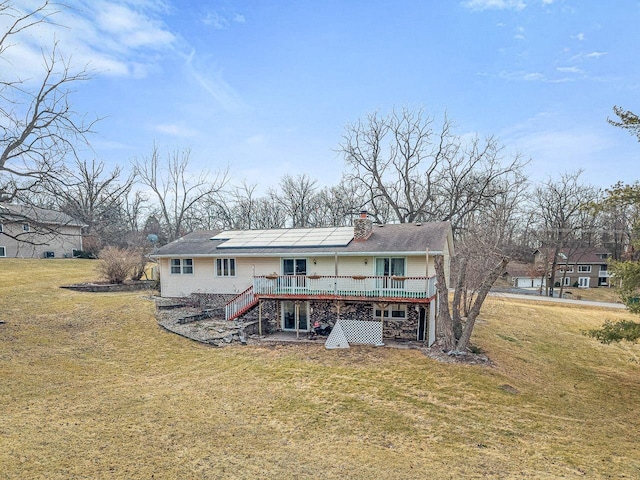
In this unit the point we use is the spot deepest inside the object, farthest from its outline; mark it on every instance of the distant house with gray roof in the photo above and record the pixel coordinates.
(32, 232)
(295, 277)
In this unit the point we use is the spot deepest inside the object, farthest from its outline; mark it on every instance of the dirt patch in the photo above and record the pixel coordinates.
(437, 352)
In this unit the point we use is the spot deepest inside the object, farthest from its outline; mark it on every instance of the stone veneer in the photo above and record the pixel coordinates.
(362, 228)
(324, 311)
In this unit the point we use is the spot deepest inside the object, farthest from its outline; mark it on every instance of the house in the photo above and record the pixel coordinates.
(582, 267)
(32, 232)
(293, 277)
(524, 275)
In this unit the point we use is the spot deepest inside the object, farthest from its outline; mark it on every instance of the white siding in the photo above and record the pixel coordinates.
(204, 279)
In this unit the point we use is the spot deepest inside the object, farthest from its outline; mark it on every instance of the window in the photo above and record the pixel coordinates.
(3, 252)
(567, 269)
(1, 228)
(395, 312)
(226, 267)
(584, 268)
(294, 266)
(182, 265)
(583, 282)
(25, 227)
(567, 281)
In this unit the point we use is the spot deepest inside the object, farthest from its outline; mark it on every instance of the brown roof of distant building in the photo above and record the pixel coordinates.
(584, 255)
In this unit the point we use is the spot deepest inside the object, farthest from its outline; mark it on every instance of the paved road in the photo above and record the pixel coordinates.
(557, 300)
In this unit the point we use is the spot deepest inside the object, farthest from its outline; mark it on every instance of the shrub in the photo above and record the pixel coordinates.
(616, 331)
(117, 264)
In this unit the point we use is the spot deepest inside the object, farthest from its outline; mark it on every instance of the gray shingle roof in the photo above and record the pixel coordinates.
(21, 213)
(390, 238)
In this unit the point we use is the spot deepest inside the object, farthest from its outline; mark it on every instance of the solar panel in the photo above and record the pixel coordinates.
(291, 237)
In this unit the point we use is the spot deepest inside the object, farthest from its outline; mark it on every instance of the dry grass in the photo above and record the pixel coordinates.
(600, 294)
(92, 388)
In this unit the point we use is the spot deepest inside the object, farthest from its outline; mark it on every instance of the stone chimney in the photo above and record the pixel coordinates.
(362, 227)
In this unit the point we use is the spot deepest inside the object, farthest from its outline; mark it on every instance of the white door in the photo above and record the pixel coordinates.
(583, 282)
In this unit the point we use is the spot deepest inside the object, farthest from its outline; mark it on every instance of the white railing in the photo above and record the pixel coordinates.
(346, 286)
(603, 274)
(240, 304)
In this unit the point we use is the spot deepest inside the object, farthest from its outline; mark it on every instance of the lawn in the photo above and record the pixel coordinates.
(92, 388)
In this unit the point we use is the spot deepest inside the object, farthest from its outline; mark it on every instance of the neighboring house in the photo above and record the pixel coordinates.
(294, 277)
(582, 267)
(523, 275)
(32, 232)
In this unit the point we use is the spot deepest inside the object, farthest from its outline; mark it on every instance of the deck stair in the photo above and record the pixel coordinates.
(240, 304)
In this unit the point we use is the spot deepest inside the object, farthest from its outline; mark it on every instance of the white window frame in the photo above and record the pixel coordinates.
(569, 269)
(225, 267)
(3, 251)
(584, 268)
(567, 281)
(396, 312)
(181, 266)
(26, 227)
(584, 282)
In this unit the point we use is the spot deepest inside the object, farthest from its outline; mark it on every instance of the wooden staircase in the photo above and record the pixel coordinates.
(240, 304)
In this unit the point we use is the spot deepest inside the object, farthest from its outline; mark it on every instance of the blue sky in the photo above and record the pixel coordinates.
(267, 87)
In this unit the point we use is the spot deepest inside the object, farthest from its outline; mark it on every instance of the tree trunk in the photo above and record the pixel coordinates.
(457, 298)
(444, 317)
(488, 282)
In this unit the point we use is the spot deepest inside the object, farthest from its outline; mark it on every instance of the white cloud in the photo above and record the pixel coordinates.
(595, 54)
(176, 130)
(526, 76)
(108, 37)
(580, 36)
(569, 70)
(214, 84)
(215, 20)
(221, 21)
(480, 5)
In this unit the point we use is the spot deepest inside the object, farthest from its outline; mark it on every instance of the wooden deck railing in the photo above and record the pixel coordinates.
(346, 286)
(240, 304)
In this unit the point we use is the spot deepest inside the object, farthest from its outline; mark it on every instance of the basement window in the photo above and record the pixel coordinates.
(395, 312)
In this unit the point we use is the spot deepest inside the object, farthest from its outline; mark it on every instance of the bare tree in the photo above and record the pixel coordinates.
(563, 218)
(406, 170)
(480, 260)
(38, 126)
(296, 196)
(94, 196)
(176, 191)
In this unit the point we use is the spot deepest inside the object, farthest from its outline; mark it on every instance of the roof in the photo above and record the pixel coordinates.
(404, 238)
(578, 255)
(520, 269)
(21, 213)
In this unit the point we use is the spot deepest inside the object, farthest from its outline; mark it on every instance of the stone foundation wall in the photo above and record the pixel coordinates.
(323, 311)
